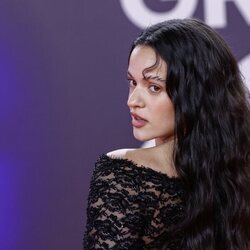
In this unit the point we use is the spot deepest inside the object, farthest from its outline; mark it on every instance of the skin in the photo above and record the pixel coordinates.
(148, 97)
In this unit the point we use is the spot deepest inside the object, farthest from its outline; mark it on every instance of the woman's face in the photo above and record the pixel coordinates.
(151, 109)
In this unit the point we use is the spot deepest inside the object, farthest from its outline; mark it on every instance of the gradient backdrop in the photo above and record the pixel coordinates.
(63, 93)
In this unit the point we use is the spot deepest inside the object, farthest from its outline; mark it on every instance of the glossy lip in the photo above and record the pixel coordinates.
(137, 121)
(137, 116)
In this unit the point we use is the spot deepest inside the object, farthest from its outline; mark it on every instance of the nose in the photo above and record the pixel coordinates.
(135, 99)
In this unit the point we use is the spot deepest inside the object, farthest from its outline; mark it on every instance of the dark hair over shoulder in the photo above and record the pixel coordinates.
(212, 127)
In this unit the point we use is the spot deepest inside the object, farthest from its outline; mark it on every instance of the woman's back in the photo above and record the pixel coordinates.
(132, 207)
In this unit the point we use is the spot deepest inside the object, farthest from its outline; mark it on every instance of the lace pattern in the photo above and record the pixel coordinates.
(132, 207)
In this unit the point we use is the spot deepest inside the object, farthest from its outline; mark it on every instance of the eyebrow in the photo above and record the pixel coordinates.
(158, 78)
(150, 77)
(129, 74)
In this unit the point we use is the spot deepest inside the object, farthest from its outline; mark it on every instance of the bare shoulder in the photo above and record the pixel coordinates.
(135, 155)
(120, 153)
(146, 157)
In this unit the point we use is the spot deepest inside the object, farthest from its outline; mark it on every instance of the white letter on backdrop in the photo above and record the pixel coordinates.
(215, 11)
(244, 65)
(142, 16)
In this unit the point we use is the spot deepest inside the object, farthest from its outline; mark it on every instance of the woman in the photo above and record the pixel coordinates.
(190, 191)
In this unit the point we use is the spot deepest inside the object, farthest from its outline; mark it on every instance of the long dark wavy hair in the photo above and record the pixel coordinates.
(212, 128)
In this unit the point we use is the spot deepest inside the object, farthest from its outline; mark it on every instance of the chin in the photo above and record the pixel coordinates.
(142, 137)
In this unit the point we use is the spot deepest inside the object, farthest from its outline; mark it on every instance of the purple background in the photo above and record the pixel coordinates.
(63, 97)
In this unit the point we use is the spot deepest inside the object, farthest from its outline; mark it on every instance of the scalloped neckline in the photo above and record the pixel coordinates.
(142, 167)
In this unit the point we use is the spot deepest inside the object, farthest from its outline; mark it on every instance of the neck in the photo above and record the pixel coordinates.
(164, 151)
(160, 141)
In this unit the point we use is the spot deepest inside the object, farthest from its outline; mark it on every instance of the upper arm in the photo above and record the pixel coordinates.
(112, 213)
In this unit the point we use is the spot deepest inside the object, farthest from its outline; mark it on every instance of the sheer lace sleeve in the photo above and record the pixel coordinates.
(113, 211)
(132, 207)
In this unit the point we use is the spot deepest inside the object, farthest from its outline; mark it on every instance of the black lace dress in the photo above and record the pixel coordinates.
(132, 207)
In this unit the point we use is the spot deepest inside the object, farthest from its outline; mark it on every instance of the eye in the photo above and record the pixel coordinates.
(132, 83)
(155, 88)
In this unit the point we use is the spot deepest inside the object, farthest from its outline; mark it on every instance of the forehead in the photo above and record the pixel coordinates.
(144, 57)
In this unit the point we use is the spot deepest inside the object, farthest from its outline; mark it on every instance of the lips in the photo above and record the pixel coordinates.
(138, 121)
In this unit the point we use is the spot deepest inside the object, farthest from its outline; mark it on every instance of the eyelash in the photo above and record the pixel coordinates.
(132, 83)
(155, 86)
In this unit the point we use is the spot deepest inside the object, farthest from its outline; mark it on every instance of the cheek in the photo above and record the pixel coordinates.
(164, 111)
